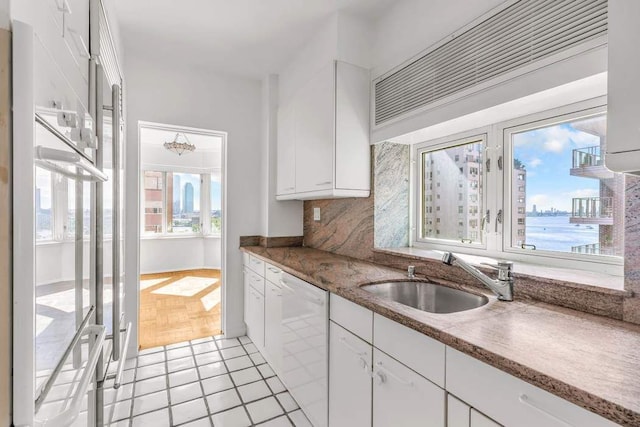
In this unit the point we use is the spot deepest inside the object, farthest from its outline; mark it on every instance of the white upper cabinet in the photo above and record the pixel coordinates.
(623, 133)
(323, 136)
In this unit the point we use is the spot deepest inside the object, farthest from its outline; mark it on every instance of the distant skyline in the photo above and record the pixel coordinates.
(547, 156)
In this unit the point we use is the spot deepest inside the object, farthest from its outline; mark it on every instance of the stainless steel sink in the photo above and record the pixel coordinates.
(427, 296)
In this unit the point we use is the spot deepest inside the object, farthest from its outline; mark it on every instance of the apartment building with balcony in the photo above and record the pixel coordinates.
(605, 211)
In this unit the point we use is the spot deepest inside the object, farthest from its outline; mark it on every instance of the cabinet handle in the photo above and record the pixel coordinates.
(360, 354)
(380, 376)
(324, 183)
(273, 270)
(289, 188)
(524, 399)
(276, 291)
(63, 6)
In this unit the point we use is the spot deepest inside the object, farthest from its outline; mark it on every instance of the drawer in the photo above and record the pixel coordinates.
(401, 397)
(354, 318)
(272, 273)
(256, 281)
(509, 400)
(256, 264)
(424, 355)
(245, 259)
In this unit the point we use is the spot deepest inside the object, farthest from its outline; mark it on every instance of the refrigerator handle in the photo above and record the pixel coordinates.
(115, 241)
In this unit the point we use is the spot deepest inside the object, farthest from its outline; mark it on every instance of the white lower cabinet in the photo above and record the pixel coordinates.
(350, 360)
(459, 414)
(272, 326)
(479, 420)
(255, 321)
(509, 400)
(401, 397)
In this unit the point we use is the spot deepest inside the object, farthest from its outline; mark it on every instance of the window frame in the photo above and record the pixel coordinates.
(497, 192)
(205, 204)
(435, 145)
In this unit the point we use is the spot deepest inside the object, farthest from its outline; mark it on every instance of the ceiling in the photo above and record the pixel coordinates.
(251, 38)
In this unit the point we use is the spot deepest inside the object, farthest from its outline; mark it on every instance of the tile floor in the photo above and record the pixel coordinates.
(203, 382)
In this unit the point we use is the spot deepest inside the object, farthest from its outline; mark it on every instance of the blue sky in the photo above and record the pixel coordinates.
(216, 196)
(547, 155)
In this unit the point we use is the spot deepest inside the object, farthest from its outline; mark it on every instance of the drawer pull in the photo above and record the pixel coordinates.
(380, 376)
(63, 6)
(274, 270)
(525, 400)
(289, 188)
(324, 183)
(360, 354)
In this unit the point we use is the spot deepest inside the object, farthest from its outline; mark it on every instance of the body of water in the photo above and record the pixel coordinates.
(555, 233)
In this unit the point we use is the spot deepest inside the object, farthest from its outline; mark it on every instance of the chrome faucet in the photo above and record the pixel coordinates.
(502, 286)
(411, 272)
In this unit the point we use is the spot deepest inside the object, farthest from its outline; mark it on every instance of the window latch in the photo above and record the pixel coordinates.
(498, 219)
(488, 165)
(525, 246)
(486, 219)
(500, 163)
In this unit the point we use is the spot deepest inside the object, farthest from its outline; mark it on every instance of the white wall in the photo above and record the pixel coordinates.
(280, 218)
(171, 93)
(5, 229)
(175, 253)
(5, 7)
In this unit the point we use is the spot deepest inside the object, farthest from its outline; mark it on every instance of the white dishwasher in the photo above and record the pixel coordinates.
(305, 344)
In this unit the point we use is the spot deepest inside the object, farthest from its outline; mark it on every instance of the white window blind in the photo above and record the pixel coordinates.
(519, 35)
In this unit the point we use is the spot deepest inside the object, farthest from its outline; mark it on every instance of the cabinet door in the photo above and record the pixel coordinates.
(255, 326)
(458, 412)
(349, 379)
(479, 420)
(401, 397)
(314, 132)
(272, 331)
(286, 156)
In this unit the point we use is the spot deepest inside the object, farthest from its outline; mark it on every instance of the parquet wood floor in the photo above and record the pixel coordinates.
(179, 306)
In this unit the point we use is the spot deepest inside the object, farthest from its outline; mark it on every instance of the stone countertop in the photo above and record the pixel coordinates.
(589, 360)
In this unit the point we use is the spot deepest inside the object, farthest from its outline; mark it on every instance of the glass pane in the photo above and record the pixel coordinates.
(563, 198)
(44, 205)
(216, 206)
(70, 224)
(453, 171)
(184, 208)
(153, 202)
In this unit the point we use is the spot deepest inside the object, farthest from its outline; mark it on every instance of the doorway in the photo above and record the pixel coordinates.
(181, 250)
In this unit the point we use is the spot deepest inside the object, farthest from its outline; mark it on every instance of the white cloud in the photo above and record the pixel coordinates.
(555, 145)
(555, 139)
(534, 163)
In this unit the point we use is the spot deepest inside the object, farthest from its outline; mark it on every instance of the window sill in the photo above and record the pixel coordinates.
(178, 237)
(607, 282)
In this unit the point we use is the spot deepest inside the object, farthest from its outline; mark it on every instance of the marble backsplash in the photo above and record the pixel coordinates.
(351, 227)
(391, 200)
(354, 226)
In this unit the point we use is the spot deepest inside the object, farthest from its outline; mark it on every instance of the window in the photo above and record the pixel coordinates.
(153, 201)
(578, 202)
(444, 159)
(216, 205)
(558, 202)
(184, 207)
(70, 224)
(181, 203)
(44, 205)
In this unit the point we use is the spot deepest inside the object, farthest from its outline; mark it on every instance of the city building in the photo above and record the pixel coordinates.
(606, 211)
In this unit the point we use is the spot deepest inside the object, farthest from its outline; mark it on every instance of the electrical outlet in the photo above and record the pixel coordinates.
(316, 214)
